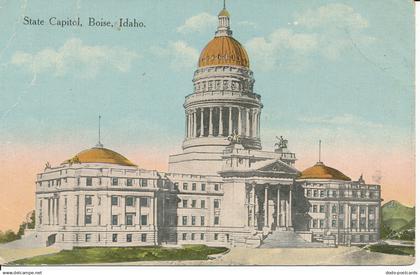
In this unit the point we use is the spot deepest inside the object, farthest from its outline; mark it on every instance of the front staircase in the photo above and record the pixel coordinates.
(284, 239)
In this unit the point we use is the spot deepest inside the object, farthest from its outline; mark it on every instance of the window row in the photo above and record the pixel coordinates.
(116, 201)
(194, 220)
(200, 236)
(184, 204)
(321, 193)
(115, 219)
(196, 186)
(353, 209)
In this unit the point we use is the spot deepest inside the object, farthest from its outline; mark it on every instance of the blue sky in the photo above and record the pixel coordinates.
(322, 67)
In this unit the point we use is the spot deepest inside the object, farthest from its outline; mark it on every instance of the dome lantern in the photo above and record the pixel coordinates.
(224, 23)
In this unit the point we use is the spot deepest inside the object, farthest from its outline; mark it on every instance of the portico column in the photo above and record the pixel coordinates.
(239, 121)
(253, 206)
(278, 205)
(247, 130)
(186, 124)
(194, 123)
(220, 121)
(202, 123)
(211, 122)
(230, 121)
(266, 206)
(289, 210)
(58, 208)
(259, 123)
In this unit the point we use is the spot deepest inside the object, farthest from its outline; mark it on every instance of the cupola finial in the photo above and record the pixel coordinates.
(99, 145)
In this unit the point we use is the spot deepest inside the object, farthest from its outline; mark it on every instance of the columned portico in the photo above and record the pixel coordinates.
(269, 206)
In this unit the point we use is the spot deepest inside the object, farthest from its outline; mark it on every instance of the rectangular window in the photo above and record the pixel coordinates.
(184, 203)
(129, 238)
(315, 193)
(314, 208)
(144, 182)
(185, 186)
(341, 209)
(88, 181)
(114, 181)
(99, 200)
(216, 236)
(194, 186)
(114, 238)
(143, 237)
(203, 187)
(216, 220)
(334, 209)
(129, 182)
(363, 194)
(321, 223)
(354, 194)
(184, 220)
(216, 204)
(333, 223)
(184, 236)
(203, 204)
(88, 237)
(192, 220)
(114, 200)
(216, 187)
(192, 236)
(99, 219)
(114, 219)
(129, 219)
(353, 209)
(353, 223)
(129, 201)
(202, 236)
(334, 194)
(202, 220)
(88, 200)
(322, 193)
(308, 192)
(88, 219)
(362, 210)
(371, 209)
(314, 223)
(321, 209)
(144, 220)
(193, 203)
(144, 202)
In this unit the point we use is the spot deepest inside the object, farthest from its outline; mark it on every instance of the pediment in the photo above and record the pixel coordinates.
(278, 167)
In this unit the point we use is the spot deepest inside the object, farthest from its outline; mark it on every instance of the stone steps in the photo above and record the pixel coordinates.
(280, 239)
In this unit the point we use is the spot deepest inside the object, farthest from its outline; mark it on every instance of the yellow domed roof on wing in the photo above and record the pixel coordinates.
(100, 155)
(321, 171)
(223, 50)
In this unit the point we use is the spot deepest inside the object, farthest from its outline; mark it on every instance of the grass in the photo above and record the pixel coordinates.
(391, 249)
(92, 255)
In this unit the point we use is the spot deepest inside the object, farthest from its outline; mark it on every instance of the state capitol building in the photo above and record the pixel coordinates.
(222, 189)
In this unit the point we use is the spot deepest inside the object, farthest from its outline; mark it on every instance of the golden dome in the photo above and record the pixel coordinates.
(224, 12)
(321, 171)
(223, 50)
(99, 155)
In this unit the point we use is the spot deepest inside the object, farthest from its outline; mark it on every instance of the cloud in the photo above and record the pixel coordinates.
(74, 56)
(182, 56)
(328, 31)
(332, 15)
(198, 23)
(340, 120)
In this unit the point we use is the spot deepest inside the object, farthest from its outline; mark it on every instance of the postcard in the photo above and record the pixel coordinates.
(207, 133)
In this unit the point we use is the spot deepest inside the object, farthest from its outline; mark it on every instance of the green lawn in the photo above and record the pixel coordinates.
(123, 254)
(388, 249)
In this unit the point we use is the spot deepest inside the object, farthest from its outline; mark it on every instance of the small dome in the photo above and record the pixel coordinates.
(224, 12)
(223, 50)
(100, 155)
(321, 171)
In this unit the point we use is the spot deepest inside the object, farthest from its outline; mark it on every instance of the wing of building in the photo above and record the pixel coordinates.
(222, 189)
